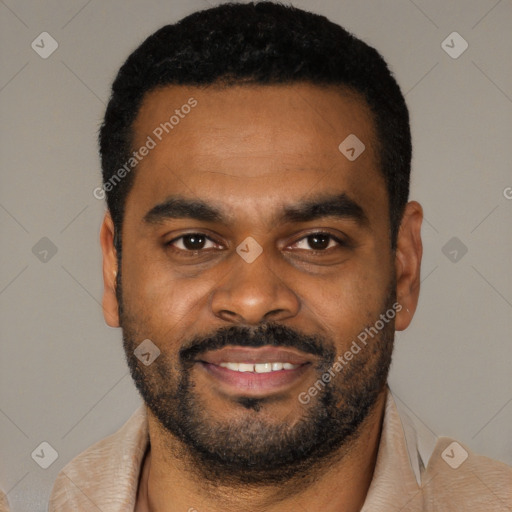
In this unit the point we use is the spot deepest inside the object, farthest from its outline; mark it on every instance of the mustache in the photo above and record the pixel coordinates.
(265, 334)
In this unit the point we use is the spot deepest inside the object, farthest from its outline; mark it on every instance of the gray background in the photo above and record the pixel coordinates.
(63, 378)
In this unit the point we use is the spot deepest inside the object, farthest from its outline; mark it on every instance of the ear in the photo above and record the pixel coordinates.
(110, 304)
(408, 255)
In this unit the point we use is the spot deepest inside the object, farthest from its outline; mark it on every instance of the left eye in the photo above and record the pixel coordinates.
(192, 242)
(318, 242)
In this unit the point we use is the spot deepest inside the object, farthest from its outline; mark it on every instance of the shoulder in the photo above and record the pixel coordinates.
(4, 505)
(462, 480)
(105, 472)
(449, 476)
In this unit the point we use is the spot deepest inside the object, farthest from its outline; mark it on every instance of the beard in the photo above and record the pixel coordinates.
(252, 448)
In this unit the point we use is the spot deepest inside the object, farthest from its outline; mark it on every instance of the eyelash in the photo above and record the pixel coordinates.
(189, 252)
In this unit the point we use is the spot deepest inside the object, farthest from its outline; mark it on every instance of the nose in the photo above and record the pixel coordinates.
(253, 293)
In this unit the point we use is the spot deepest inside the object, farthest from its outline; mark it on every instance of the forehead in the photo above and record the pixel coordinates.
(253, 145)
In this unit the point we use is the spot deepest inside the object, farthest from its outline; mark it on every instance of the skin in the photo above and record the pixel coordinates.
(250, 151)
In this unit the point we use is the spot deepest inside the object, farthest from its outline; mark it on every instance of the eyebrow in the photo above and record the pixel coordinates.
(338, 205)
(327, 205)
(179, 207)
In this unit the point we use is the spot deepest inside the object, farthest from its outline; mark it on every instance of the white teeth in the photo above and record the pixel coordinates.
(259, 367)
(263, 368)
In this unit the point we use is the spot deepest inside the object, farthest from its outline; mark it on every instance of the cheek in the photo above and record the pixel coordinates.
(169, 305)
(350, 300)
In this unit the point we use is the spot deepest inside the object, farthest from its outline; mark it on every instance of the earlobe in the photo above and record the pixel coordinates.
(408, 256)
(110, 270)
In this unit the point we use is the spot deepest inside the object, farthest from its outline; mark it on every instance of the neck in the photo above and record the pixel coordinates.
(167, 485)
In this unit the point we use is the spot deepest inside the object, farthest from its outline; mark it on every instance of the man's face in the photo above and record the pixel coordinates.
(254, 253)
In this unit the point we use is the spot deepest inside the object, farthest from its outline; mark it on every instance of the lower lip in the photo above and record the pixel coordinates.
(255, 384)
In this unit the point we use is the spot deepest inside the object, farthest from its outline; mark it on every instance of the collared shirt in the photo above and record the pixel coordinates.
(411, 474)
(4, 505)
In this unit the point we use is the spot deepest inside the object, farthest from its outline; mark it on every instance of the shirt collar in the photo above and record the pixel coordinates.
(419, 439)
(119, 459)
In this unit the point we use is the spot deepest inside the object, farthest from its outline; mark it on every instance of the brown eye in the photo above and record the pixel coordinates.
(192, 242)
(318, 241)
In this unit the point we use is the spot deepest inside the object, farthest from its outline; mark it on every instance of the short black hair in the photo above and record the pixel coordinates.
(261, 43)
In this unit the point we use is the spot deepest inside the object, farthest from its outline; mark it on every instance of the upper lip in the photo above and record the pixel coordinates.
(266, 354)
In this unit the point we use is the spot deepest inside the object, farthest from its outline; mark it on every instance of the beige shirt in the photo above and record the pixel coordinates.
(411, 474)
(4, 505)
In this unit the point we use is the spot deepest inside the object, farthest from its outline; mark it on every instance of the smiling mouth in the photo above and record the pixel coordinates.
(259, 367)
(259, 360)
(254, 372)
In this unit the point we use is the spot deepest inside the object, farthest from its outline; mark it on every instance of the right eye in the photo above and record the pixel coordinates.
(192, 242)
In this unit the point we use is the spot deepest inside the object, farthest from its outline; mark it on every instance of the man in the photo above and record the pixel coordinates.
(259, 253)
